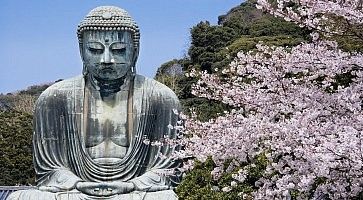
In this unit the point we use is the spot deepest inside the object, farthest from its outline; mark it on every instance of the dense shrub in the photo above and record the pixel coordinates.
(16, 164)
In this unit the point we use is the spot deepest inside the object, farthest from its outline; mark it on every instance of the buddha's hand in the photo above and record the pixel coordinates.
(105, 188)
(60, 181)
(55, 189)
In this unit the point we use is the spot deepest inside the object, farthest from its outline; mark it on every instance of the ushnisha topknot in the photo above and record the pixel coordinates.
(109, 18)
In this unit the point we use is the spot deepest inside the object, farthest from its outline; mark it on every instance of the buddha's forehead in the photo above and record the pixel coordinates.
(102, 36)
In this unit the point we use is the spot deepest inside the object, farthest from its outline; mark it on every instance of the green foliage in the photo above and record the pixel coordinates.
(257, 167)
(239, 30)
(16, 164)
(349, 43)
(199, 183)
(246, 19)
(349, 35)
(207, 40)
(204, 108)
(272, 26)
(294, 194)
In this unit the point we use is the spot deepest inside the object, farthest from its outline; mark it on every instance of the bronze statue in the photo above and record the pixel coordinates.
(93, 133)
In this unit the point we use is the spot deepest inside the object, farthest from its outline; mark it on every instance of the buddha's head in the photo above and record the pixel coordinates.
(109, 43)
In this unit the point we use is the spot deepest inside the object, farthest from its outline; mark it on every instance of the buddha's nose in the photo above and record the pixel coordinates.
(107, 57)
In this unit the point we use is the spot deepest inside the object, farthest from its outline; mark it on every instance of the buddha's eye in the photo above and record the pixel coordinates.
(95, 47)
(118, 48)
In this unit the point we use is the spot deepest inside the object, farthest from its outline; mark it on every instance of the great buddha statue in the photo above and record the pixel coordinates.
(94, 133)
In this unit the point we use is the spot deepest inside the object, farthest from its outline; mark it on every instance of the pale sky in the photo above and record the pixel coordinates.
(39, 43)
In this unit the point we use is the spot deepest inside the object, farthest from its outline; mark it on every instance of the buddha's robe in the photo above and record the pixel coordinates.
(61, 156)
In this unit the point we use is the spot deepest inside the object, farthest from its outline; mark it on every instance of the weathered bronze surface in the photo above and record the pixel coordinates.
(90, 130)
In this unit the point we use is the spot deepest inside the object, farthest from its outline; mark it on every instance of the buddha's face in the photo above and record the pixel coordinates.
(108, 55)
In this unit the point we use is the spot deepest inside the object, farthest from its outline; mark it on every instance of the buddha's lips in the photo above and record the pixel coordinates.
(108, 70)
(110, 67)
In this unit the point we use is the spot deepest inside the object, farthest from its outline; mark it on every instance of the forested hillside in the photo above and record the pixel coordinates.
(213, 47)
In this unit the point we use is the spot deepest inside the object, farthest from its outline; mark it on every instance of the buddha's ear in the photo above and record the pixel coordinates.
(81, 50)
(84, 70)
(135, 56)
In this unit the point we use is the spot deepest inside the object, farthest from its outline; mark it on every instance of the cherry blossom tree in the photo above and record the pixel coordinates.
(298, 108)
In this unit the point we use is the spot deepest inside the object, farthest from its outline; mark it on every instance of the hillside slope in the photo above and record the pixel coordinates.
(213, 47)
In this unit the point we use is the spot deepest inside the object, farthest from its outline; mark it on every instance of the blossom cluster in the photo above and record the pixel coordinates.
(317, 14)
(291, 106)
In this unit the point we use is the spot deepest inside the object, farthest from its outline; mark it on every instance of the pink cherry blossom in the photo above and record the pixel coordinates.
(290, 106)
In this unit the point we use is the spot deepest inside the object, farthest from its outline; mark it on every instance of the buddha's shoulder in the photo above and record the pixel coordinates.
(63, 87)
(153, 85)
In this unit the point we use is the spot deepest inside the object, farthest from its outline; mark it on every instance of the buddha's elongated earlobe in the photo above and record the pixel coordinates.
(80, 44)
(85, 70)
(136, 54)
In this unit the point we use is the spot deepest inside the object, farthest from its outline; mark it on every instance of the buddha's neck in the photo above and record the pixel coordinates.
(108, 88)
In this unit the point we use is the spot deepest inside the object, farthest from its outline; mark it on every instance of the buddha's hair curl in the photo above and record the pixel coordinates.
(109, 18)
